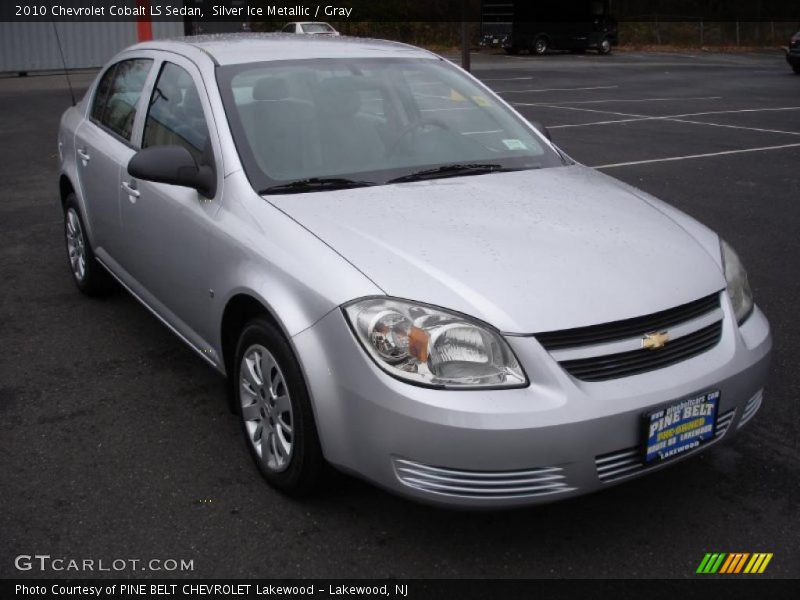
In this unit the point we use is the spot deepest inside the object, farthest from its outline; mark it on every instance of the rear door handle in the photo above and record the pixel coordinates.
(130, 188)
(84, 155)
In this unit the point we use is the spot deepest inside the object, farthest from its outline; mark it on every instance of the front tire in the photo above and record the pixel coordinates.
(604, 47)
(89, 276)
(796, 69)
(275, 410)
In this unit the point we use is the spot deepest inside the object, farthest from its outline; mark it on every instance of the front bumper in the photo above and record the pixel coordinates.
(557, 438)
(793, 57)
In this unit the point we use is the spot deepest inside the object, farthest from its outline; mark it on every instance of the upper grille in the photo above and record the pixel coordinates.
(625, 364)
(482, 484)
(619, 330)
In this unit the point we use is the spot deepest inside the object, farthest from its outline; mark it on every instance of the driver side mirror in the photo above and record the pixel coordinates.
(541, 129)
(173, 165)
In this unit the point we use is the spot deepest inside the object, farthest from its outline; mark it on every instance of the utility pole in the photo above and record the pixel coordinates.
(464, 37)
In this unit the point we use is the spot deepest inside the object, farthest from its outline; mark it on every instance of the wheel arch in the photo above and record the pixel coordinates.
(65, 188)
(241, 308)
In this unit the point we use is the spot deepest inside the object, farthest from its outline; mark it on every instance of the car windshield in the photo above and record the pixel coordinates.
(372, 121)
(317, 28)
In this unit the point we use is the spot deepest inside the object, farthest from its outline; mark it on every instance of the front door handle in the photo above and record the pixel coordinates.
(130, 188)
(84, 155)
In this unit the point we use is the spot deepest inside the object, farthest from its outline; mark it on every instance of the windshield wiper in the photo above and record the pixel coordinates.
(455, 170)
(315, 184)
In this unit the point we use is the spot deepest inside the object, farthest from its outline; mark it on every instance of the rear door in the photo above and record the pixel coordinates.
(103, 148)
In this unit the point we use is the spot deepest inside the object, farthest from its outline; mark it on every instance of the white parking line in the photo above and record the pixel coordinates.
(675, 119)
(619, 100)
(576, 89)
(592, 110)
(510, 79)
(691, 156)
(667, 117)
(759, 129)
(740, 110)
(611, 122)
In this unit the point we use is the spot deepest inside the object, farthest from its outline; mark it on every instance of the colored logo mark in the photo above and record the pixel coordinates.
(734, 562)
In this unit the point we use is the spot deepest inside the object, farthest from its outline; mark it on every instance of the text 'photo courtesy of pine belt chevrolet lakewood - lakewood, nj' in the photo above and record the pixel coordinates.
(401, 277)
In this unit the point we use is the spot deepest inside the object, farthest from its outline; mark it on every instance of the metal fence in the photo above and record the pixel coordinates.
(32, 46)
(699, 32)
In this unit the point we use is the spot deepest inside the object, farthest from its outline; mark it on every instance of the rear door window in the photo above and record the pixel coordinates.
(117, 95)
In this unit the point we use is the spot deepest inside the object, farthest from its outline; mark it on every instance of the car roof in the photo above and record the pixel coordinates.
(238, 48)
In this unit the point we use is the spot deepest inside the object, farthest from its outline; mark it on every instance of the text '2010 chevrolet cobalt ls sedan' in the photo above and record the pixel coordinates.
(400, 276)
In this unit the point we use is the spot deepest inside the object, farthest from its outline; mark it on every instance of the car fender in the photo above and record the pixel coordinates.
(265, 254)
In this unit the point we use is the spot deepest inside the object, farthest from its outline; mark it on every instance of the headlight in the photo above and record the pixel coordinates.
(738, 287)
(433, 347)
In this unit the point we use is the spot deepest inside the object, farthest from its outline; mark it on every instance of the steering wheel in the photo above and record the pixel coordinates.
(411, 127)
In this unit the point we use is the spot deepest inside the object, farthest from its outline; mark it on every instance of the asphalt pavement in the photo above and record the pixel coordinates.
(117, 443)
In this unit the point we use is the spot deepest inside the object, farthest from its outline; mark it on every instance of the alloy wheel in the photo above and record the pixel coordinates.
(76, 245)
(266, 408)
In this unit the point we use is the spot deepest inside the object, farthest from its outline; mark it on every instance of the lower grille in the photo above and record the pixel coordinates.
(624, 364)
(482, 484)
(623, 463)
(751, 408)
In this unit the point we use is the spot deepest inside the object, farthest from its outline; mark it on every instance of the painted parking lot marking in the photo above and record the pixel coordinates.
(509, 79)
(592, 110)
(675, 118)
(616, 100)
(738, 110)
(633, 118)
(573, 89)
(666, 117)
(746, 128)
(692, 156)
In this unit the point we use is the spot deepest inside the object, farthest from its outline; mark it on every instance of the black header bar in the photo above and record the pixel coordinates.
(271, 11)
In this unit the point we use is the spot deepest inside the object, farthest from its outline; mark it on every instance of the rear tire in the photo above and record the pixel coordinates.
(796, 69)
(275, 410)
(540, 46)
(88, 274)
(604, 47)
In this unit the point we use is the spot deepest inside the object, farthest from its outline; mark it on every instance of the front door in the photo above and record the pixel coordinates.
(166, 227)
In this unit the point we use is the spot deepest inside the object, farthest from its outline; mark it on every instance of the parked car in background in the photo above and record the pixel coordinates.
(401, 276)
(793, 53)
(310, 28)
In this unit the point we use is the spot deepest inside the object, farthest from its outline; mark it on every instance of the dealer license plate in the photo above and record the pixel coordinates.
(680, 427)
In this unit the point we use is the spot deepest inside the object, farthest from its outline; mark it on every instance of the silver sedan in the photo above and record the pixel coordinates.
(400, 276)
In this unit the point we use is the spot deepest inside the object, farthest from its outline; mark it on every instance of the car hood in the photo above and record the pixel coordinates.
(526, 251)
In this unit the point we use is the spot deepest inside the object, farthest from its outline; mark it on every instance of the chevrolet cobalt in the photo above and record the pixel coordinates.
(400, 276)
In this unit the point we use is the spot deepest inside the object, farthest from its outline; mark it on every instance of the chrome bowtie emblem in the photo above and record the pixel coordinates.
(655, 340)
